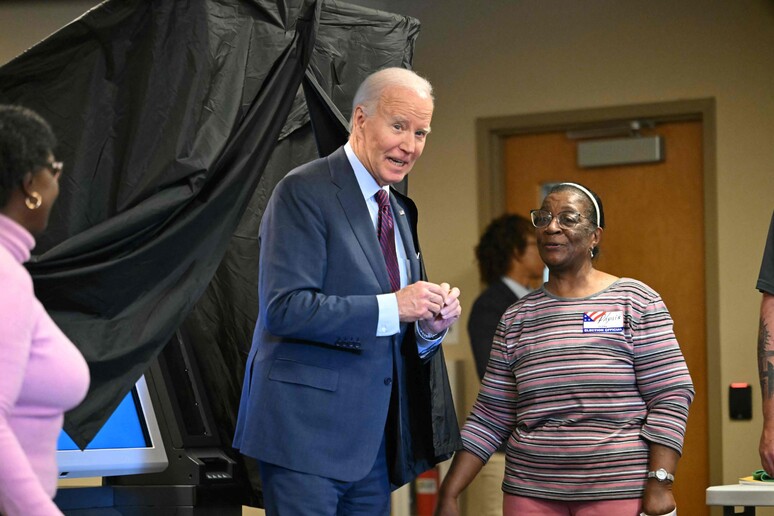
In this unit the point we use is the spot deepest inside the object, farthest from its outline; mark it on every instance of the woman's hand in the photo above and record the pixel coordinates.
(447, 506)
(464, 468)
(658, 498)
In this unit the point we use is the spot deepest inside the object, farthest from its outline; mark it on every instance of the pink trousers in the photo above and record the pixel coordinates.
(523, 506)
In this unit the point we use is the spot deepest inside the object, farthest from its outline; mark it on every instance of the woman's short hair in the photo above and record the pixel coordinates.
(371, 89)
(591, 202)
(26, 142)
(504, 235)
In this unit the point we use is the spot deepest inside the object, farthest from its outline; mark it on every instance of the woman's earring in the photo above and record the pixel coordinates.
(33, 200)
(591, 252)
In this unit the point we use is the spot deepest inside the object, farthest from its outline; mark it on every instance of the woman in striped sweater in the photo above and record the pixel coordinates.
(586, 383)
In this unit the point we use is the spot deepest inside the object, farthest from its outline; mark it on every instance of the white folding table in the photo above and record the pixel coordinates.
(741, 495)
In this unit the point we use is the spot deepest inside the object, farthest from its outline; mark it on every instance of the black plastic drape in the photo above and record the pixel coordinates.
(175, 120)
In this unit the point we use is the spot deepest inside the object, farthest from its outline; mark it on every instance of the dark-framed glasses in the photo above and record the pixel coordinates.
(55, 167)
(566, 219)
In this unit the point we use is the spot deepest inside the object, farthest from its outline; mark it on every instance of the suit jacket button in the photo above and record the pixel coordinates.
(387, 381)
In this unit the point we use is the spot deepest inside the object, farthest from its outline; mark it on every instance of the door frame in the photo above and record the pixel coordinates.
(490, 135)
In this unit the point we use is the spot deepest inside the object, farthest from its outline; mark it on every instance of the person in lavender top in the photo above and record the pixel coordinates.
(585, 383)
(42, 374)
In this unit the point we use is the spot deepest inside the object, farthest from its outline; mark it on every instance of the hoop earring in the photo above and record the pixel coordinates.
(33, 200)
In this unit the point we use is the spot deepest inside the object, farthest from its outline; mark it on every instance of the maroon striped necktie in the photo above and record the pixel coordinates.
(386, 232)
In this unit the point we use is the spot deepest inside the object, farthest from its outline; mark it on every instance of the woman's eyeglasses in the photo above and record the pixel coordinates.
(566, 219)
(55, 167)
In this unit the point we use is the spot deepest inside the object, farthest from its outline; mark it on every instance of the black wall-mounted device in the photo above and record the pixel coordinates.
(740, 401)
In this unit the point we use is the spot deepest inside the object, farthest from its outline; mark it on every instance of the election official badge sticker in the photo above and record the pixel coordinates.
(602, 322)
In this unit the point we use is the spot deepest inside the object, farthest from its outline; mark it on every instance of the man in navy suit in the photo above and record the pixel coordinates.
(346, 395)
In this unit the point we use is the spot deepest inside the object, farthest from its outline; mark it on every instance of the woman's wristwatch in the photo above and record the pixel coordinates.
(661, 475)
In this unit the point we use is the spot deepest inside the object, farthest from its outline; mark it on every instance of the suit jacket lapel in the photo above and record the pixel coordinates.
(407, 227)
(356, 211)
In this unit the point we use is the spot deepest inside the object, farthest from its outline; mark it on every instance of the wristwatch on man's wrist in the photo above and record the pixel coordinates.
(661, 475)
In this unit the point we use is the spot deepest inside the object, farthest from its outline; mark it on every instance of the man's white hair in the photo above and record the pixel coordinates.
(369, 92)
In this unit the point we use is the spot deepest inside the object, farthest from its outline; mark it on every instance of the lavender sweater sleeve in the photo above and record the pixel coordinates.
(42, 374)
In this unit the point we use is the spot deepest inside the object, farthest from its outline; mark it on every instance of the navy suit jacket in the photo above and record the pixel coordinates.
(319, 383)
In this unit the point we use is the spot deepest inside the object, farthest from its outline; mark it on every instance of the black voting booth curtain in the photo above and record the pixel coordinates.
(175, 121)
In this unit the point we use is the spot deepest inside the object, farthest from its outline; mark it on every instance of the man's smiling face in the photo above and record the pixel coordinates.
(389, 141)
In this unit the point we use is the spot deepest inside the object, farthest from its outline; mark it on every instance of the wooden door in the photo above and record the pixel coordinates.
(654, 216)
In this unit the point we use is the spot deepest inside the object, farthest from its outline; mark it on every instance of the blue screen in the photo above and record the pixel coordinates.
(124, 429)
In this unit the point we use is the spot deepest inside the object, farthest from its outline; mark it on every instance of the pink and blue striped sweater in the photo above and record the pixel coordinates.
(578, 388)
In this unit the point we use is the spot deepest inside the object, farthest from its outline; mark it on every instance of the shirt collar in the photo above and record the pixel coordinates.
(517, 288)
(367, 183)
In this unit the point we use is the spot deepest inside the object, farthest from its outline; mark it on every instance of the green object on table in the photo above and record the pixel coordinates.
(761, 475)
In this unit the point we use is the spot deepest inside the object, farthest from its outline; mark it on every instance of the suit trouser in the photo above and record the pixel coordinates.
(293, 493)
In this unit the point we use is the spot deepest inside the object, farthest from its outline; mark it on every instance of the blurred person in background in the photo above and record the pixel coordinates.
(510, 265)
(766, 351)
